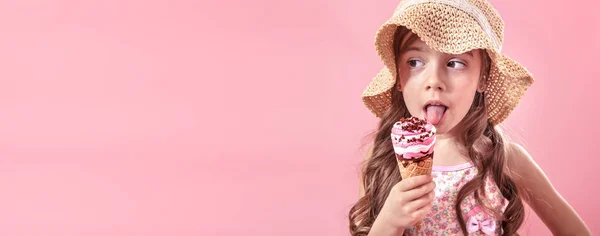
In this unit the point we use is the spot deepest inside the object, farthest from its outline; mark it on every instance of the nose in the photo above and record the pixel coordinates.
(434, 82)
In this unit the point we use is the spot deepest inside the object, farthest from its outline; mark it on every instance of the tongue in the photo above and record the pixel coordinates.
(434, 113)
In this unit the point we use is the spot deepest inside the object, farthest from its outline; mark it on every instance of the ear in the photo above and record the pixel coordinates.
(481, 86)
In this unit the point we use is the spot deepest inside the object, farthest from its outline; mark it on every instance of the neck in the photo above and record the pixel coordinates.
(446, 150)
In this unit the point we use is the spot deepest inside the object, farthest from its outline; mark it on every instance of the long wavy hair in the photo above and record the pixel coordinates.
(485, 147)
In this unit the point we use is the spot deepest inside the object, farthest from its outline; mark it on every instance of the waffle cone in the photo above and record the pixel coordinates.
(409, 168)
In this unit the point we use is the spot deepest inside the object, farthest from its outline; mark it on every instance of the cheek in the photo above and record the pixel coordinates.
(463, 103)
(464, 84)
(467, 100)
(408, 84)
(463, 95)
(411, 96)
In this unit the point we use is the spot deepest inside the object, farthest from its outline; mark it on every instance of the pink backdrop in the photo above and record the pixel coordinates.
(240, 117)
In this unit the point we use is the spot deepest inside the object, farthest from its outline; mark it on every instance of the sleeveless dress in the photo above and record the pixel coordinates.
(443, 219)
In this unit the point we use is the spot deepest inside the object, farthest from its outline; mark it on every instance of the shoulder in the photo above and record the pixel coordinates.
(527, 174)
(518, 160)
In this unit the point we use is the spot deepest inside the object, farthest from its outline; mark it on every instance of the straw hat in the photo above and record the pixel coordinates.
(454, 27)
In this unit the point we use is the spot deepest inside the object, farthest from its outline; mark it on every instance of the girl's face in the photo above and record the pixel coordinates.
(436, 86)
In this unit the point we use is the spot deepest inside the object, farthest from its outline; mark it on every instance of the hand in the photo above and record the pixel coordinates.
(409, 201)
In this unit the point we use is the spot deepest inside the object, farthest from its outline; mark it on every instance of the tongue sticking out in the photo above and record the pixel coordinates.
(434, 113)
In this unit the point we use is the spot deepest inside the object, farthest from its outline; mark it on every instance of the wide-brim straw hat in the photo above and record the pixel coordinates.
(453, 27)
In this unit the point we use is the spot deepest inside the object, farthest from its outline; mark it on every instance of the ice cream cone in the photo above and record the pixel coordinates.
(413, 140)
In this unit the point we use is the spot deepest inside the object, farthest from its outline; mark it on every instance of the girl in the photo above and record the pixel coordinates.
(443, 63)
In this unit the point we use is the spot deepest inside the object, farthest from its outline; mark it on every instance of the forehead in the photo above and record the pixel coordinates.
(412, 43)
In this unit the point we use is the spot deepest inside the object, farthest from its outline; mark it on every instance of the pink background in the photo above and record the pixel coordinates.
(241, 117)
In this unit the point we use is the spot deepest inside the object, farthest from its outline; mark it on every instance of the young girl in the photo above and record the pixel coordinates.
(443, 63)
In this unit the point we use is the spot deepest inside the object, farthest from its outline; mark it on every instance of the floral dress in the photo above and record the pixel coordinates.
(443, 219)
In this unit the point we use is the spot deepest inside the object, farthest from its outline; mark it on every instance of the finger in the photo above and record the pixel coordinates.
(420, 213)
(419, 191)
(413, 182)
(421, 202)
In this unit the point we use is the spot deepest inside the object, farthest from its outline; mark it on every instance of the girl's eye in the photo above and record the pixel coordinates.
(415, 63)
(456, 64)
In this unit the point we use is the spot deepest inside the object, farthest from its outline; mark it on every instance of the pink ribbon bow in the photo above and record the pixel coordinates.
(488, 227)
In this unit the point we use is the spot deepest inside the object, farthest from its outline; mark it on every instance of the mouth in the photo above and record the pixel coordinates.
(435, 111)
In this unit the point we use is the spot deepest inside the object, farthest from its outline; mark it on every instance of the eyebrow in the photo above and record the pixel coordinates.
(413, 48)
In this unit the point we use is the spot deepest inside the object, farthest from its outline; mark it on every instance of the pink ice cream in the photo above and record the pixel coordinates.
(413, 138)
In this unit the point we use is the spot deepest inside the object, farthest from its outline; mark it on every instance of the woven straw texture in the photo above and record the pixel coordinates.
(454, 27)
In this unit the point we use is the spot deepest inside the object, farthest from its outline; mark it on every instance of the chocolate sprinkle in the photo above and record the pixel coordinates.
(415, 125)
(404, 163)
